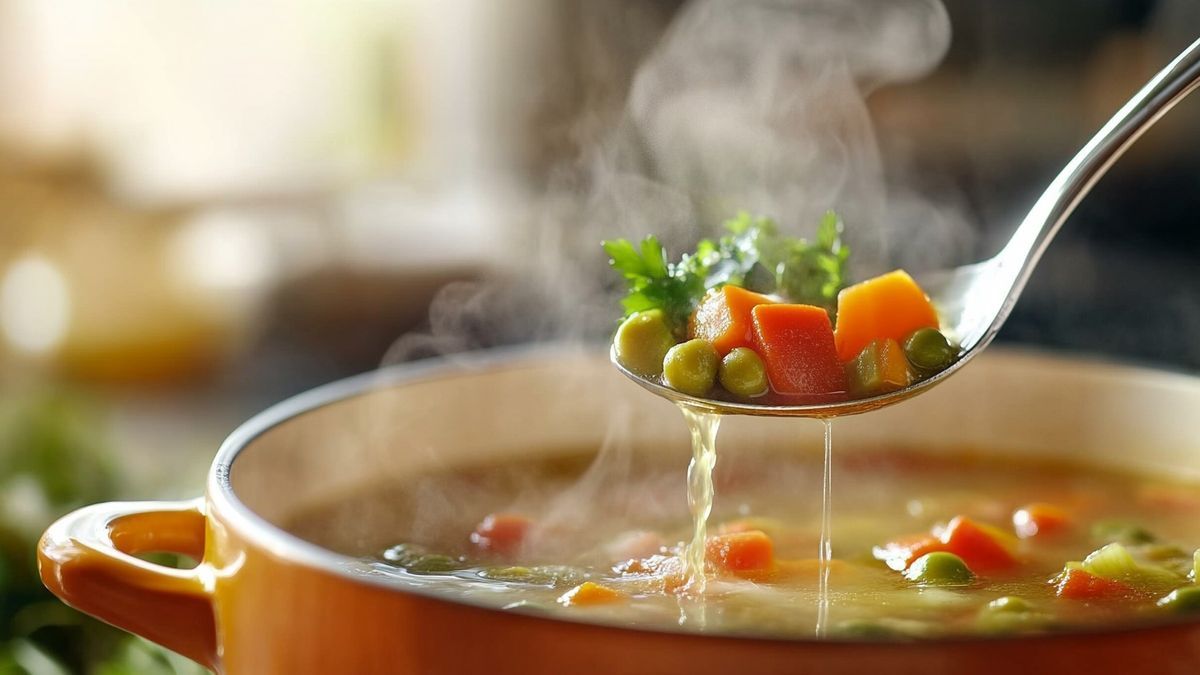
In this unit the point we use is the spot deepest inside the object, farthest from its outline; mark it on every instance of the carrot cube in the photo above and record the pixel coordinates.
(1077, 584)
(501, 533)
(888, 306)
(797, 348)
(589, 593)
(982, 547)
(723, 318)
(750, 551)
(1039, 519)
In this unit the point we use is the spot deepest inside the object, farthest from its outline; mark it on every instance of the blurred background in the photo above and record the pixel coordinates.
(206, 207)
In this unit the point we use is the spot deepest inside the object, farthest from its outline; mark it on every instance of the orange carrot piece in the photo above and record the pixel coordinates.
(899, 554)
(797, 348)
(723, 318)
(667, 569)
(888, 306)
(982, 547)
(589, 593)
(501, 533)
(1076, 584)
(740, 552)
(1039, 519)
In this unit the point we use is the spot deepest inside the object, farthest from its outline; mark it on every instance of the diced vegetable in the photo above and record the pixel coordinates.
(723, 318)
(750, 551)
(888, 306)
(501, 533)
(1185, 599)
(1039, 519)
(743, 373)
(667, 570)
(797, 348)
(928, 351)
(1121, 532)
(880, 367)
(691, 367)
(1077, 584)
(1009, 603)
(642, 342)
(589, 593)
(939, 569)
(419, 560)
(541, 575)
(899, 553)
(1010, 614)
(982, 547)
(1114, 561)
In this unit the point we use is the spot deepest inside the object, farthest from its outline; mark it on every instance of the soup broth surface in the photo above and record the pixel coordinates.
(618, 528)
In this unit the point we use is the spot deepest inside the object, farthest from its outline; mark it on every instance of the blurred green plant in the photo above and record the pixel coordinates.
(55, 456)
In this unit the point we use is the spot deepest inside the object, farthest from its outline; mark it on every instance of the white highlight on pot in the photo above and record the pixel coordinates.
(35, 304)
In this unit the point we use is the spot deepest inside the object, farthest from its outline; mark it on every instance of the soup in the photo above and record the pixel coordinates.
(923, 546)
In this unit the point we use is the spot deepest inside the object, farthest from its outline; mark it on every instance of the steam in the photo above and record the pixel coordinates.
(756, 105)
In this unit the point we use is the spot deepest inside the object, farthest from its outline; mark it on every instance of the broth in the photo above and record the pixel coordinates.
(626, 532)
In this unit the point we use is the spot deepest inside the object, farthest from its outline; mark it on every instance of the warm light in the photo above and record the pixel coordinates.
(222, 252)
(35, 304)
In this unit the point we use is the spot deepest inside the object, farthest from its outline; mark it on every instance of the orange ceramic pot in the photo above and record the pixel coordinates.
(264, 601)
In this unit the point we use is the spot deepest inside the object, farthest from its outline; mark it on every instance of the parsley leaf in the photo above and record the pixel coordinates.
(753, 254)
(653, 283)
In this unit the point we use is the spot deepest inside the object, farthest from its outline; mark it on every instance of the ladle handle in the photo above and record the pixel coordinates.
(1072, 184)
(88, 559)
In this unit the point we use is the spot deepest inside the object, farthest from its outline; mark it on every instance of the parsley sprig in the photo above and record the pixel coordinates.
(753, 254)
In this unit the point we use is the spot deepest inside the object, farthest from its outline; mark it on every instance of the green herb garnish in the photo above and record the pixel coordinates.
(754, 255)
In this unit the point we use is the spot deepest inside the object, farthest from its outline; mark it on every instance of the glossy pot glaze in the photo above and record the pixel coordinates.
(264, 601)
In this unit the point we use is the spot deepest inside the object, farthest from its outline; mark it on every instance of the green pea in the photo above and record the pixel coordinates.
(1185, 599)
(691, 367)
(928, 350)
(417, 560)
(642, 342)
(743, 374)
(940, 569)
(1008, 603)
(1011, 614)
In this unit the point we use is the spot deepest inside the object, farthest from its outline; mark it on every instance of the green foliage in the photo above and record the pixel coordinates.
(54, 457)
(753, 254)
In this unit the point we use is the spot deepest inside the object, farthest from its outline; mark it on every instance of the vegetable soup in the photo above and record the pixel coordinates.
(923, 546)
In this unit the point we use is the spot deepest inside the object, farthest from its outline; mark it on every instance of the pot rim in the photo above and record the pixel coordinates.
(235, 514)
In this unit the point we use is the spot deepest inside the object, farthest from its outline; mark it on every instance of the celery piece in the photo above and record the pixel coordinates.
(1114, 561)
(1185, 599)
(540, 575)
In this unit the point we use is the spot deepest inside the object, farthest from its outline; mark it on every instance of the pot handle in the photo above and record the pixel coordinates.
(88, 559)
